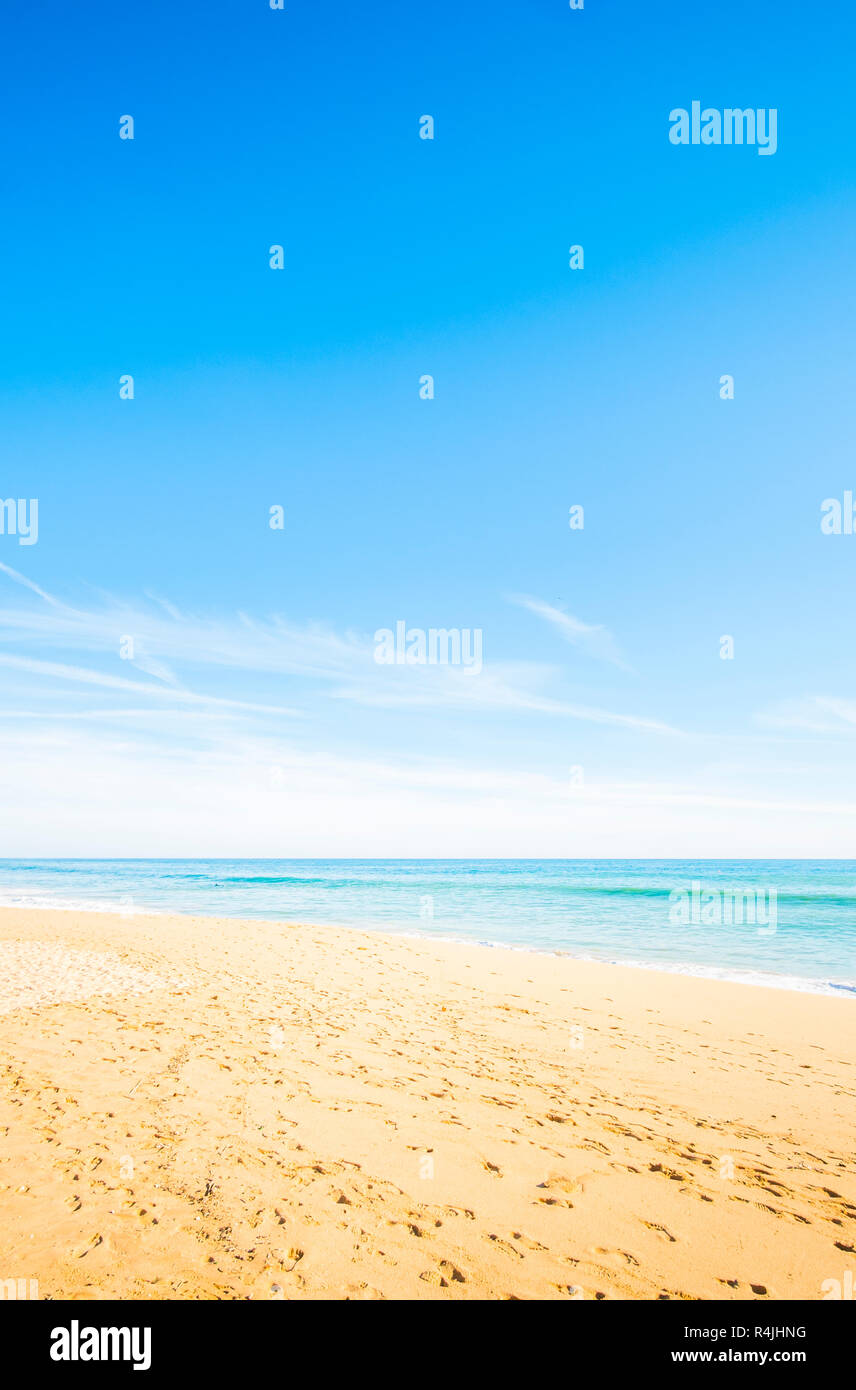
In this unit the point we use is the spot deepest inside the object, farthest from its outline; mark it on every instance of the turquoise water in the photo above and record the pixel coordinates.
(608, 910)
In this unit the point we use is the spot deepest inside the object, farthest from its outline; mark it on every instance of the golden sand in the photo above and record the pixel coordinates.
(193, 1108)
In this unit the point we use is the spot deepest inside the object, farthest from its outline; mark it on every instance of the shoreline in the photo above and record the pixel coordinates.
(261, 1110)
(796, 984)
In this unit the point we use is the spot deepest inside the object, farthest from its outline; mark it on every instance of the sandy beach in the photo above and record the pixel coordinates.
(201, 1109)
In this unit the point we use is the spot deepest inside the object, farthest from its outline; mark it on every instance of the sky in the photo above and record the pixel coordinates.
(249, 716)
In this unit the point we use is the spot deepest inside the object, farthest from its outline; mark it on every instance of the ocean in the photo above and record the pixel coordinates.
(789, 924)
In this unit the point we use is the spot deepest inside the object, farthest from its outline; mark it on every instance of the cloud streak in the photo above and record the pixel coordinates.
(593, 639)
(83, 675)
(331, 665)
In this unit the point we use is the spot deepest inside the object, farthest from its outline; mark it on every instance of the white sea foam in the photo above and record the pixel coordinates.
(245, 905)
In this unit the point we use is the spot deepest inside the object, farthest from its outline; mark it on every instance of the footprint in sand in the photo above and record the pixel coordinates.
(505, 1246)
(660, 1231)
(442, 1276)
(557, 1191)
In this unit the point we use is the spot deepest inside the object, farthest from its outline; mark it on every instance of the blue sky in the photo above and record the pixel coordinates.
(254, 719)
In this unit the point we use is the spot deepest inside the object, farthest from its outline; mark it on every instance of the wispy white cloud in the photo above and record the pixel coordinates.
(231, 783)
(822, 714)
(105, 714)
(438, 687)
(591, 638)
(83, 675)
(842, 709)
(228, 793)
(341, 665)
(28, 584)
